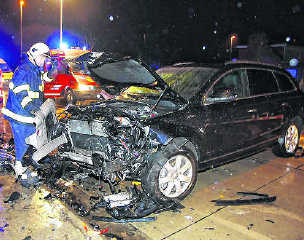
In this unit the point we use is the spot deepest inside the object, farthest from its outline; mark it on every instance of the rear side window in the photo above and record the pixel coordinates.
(261, 82)
(284, 82)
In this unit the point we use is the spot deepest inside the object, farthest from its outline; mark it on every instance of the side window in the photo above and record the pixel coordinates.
(229, 86)
(284, 82)
(261, 82)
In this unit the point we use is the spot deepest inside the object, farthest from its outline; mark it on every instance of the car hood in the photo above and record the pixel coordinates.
(124, 71)
(120, 71)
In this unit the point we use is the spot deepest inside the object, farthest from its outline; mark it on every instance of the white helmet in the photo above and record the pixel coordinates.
(38, 49)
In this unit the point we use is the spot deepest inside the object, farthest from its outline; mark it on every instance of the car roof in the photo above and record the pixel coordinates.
(228, 65)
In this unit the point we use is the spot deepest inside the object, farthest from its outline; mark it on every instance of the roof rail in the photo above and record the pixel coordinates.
(253, 62)
(182, 64)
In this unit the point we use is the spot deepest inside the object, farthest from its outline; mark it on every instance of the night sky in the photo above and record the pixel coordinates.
(159, 31)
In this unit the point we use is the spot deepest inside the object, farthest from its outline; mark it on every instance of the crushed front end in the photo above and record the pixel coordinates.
(110, 142)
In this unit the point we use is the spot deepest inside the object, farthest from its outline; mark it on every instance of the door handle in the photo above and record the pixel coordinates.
(252, 111)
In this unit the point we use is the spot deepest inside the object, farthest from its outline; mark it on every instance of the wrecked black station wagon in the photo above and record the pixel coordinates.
(165, 126)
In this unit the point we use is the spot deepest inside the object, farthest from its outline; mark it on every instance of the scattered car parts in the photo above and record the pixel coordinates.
(255, 198)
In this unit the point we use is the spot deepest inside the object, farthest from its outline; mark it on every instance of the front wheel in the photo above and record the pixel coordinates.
(288, 142)
(171, 174)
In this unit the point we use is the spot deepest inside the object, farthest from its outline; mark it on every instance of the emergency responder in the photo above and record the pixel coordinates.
(22, 108)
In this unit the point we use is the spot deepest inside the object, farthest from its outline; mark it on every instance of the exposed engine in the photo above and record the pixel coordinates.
(103, 139)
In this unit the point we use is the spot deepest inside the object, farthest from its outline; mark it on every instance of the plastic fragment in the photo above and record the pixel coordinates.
(85, 227)
(209, 228)
(2, 228)
(103, 231)
(249, 226)
(13, 197)
(113, 236)
(271, 221)
(136, 183)
(110, 219)
(259, 198)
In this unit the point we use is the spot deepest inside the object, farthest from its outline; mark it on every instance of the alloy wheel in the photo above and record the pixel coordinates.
(291, 139)
(175, 177)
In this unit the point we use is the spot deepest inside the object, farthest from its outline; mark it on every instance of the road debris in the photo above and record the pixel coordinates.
(250, 226)
(2, 228)
(13, 197)
(258, 198)
(110, 219)
(27, 238)
(85, 227)
(113, 236)
(103, 231)
(271, 221)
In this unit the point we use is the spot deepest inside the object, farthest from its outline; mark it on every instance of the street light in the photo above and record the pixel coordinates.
(232, 37)
(21, 3)
(61, 16)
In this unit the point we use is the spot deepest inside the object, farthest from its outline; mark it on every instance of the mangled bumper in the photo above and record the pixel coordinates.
(39, 139)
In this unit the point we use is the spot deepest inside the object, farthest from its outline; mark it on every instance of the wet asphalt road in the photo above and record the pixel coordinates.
(33, 217)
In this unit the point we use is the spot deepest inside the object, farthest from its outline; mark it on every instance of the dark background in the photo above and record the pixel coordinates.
(159, 31)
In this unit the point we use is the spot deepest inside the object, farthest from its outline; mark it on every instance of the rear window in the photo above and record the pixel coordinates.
(261, 82)
(186, 81)
(285, 83)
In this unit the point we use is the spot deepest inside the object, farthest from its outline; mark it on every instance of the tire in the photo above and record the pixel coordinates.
(171, 173)
(70, 97)
(289, 140)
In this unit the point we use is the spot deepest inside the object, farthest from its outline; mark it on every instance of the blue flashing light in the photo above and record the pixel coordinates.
(64, 46)
(293, 72)
(71, 39)
(8, 50)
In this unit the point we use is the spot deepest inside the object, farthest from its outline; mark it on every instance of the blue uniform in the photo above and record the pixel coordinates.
(25, 97)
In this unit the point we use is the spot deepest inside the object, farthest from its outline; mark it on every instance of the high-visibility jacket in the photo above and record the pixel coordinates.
(25, 94)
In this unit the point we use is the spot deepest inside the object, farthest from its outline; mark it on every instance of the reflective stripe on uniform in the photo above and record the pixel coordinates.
(41, 87)
(25, 101)
(18, 117)
(11, 85)
(33, 94)
(21, 88)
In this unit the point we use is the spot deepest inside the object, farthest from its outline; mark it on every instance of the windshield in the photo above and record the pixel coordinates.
(186, 81)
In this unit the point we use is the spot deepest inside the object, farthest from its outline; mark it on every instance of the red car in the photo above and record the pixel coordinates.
(72, 83)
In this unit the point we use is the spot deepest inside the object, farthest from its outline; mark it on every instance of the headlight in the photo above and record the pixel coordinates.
(86, 87)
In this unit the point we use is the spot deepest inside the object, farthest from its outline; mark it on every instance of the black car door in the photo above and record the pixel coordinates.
(229, 121)
(265, 104)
